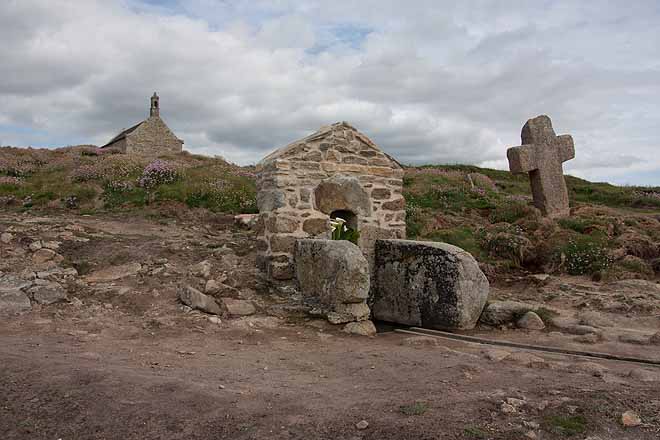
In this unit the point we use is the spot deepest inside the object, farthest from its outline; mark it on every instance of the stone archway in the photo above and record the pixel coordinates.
(342, 193)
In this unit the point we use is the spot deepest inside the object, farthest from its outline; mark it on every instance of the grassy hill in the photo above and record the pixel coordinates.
(613, 231)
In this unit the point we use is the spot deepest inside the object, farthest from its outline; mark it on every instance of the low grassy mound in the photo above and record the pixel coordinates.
(89, 179)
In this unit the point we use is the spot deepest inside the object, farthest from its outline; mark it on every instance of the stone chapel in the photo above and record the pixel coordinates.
(149, 137)
(335, 172)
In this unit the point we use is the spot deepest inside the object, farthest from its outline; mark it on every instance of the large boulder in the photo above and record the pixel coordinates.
(13, 301)
(47, 292)
(427, 284)
(335, 275)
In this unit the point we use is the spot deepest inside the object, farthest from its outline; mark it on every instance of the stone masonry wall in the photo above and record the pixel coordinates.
(153, 137)
(299, 186)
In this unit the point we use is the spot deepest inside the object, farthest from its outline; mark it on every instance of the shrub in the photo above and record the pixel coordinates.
(157, 173)
(85, 173)
(574, 224)
(585, 256)
(507, 242)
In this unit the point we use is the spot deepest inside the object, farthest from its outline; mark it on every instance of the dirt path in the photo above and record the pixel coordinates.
(293, 382)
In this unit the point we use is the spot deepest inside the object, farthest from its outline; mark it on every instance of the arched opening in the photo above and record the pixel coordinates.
(350, 217)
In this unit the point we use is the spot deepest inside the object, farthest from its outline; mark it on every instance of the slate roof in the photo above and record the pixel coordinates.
(123, 134)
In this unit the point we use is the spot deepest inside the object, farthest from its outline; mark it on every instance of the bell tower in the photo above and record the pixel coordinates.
(155, 105)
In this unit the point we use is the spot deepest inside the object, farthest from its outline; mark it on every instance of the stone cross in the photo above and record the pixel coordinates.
(541, 155)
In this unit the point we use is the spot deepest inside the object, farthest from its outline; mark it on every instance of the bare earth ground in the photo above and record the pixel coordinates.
(122, 360)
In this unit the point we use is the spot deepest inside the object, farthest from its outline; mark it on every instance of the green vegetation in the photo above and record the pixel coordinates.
(87, 179)
(416, 409)
(566, 425)
(475, 432)
(586, 255)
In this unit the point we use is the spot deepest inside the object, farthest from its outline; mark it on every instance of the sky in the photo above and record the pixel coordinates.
(430, 81)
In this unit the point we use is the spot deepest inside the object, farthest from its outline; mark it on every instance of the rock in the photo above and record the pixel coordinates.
(427, 284)
(53, 245)
(655, 339)
(540, 277)
(341, 192)
(362, 425)
(13, 302)
(332, 271)
(417, 341)
(349, 312)
(246, 221)
(481, 181)
(114, 273)
(6, 237)
(593, 319)
(202, 269)
(495, 354)
(47, 293)
(362, 328)
(211, 287)
(43, 255)
(197, 300)
(503, 312)
(531, 321)
(630, 419)
(590, 338)
(35, 246)
(215, 320)
(507, 408)
(526, 359)
(238, 307)
(591, 368)
(644, 375)
(634, 339)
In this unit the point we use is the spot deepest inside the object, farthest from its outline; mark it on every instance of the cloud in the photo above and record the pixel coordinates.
(429, 81)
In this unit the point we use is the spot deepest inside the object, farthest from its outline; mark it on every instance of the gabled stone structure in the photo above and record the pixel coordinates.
(336, 171)
(150, 137)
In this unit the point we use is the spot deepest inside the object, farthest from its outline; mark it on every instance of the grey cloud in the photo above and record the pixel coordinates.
(429, 81)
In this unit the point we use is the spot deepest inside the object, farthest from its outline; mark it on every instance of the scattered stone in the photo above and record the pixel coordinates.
(114, 273)
(591, 368)
(362, 328)
(541, 155)
(507, 408)
(211, 287)
(643, 375)
(530, 321)
(6, 237)
(13, 302)
(503, 312)
(246, 221)
(417, 341)
(43, 255)
(428, 284)
(630, 419)
(526, 359)
(590, 338)
(197, 300)
(202, 269)
(215, 320)
(593, 319)
(238, 307)
(495, 354)
(634, 339)
(53, 245)
(35, 246)
(540, 277)
(362, 425)
(47, 293)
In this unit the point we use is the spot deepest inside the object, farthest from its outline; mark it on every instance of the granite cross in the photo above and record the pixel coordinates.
(541, 155)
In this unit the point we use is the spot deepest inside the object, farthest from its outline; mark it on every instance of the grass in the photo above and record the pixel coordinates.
(464, 237)
(475, 432)
(566, 425)
(416, 409)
